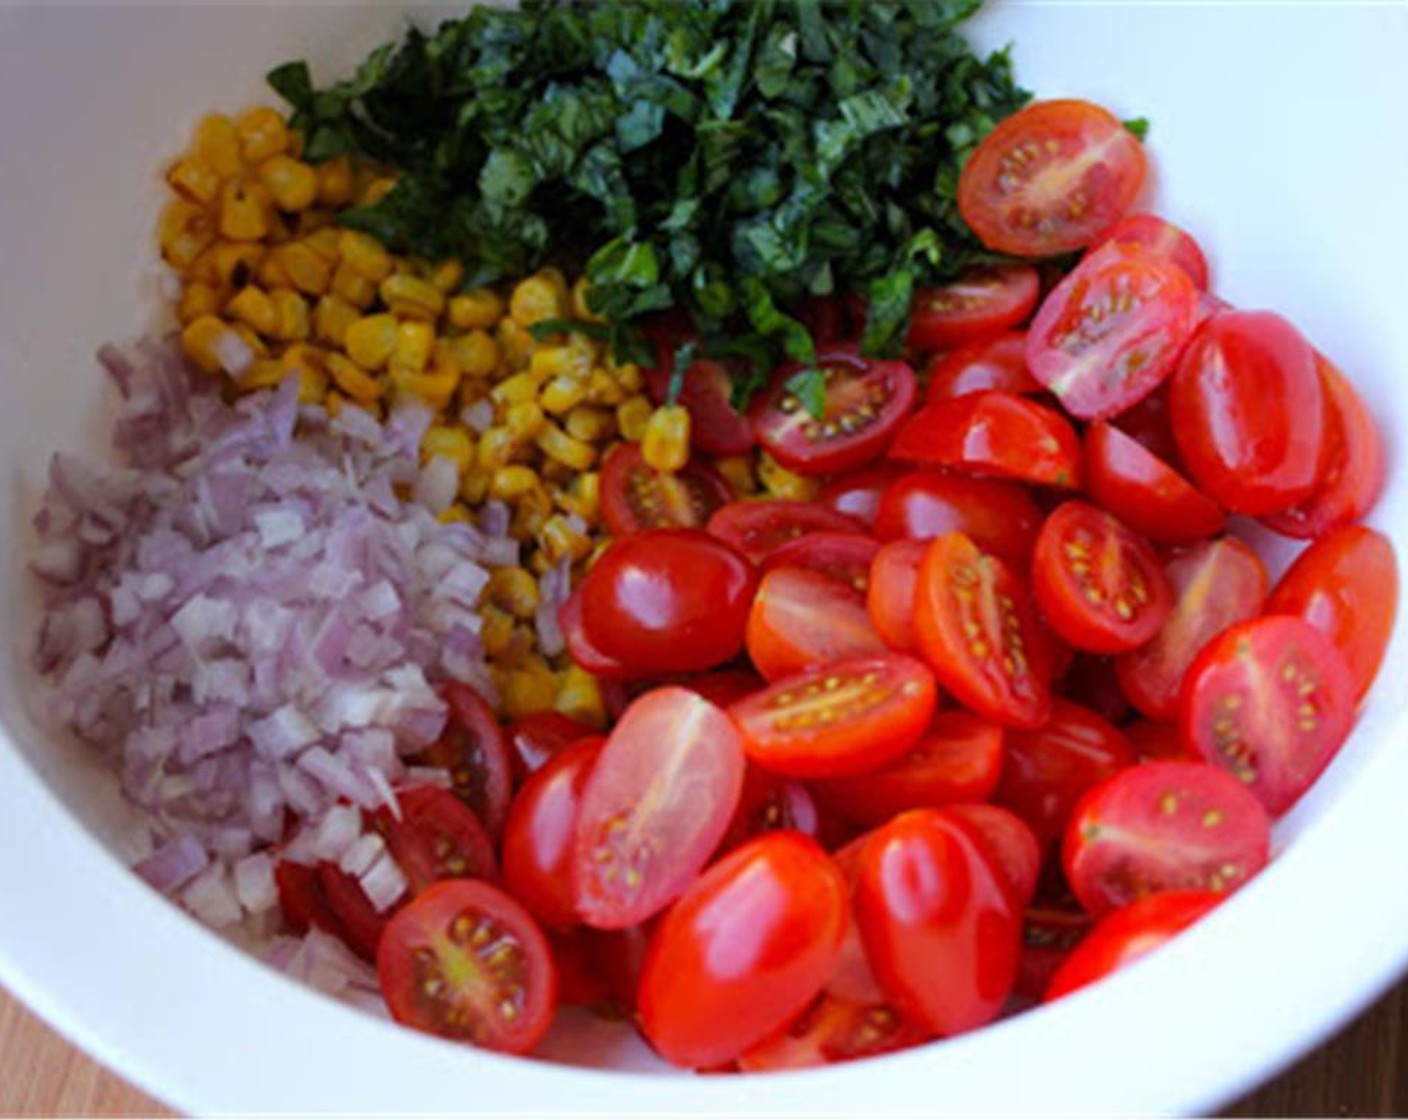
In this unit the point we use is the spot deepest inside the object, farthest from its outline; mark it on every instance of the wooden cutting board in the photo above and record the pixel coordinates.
(1362, 1072)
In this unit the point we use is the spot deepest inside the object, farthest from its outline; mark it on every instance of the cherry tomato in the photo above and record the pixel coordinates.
(842, 718)
(724, 686)
(958, 758)
(800, 619)
(894, 574)
(715, 425)
(845, 557)
(1045, 772)
(1353, 472)
(583, 650)
(579, 984)
(1098, 583)
(769, 803)
(978, 631)
(1163, 826)
(825, 318)
(856, 494)
(1157, 740)
(1010, 843)
(832, 1031)
(744, 951)
(303, 901)
(466, 962)
(1164, 240)
(1147, 422)
(1346, 586)
(1049, 933)
(852, 980)
(758, 528)
(864, 402)
(654, 807)
(1142, 490)
(999, 517)
(1091, 682)
(473, 750)
(1215, 584)
(635, 496)
(361, 923)
(1052, 177)
(1121, 938)
(617, 956)
(1112, 330)
(536, 738)
(667, 601)
(937, 921)
(540, 836)
(993, 362)
(1271, 701)
(1248, 412)
(976, 304)
(435, 837)
(993, 433)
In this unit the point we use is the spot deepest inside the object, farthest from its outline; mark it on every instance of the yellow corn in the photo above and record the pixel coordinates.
(292, 312)
(738, 473)
(318, 227)
(627, 375)
(476, 309)
(197, 299)
(371, 340)
(530, 513)
(457, 512)
(412, 298)
(560, 538)
(336, 186)
(375, 191)
(477, 353)
(779, 482)
(352, 286)
(528, 689)
(271, 272)
(525, 420)
(515, 343)
(293, 183)
(562, 394)
(218, 144)
(194, 180)
(307, 270)
(244, 211)
(415, 342)
(583, 497)
(447, 276)
(579, 696)
(513, 590)
(264, 373)
(496, 630)
(448, 442)
(254, 307)
(665, 445)
(262, 134)
(541, 296)
(235, 262)
(474, 486)
(365, 255)
(435, 388)
(332, 315)
(632, 418)
(352, 379)
(510, 483)
(561, 361)
(518, 389)
(556, 444)
(590, 423)
(497, 448)
(603, 387)
(184, 232)
(216, 346)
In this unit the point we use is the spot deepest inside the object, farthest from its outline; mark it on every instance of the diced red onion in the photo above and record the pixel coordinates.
(211, 898)
(174, 864)
(362, 854)
(438, 484)
(254, 882)
(478, 416)
(383, 882)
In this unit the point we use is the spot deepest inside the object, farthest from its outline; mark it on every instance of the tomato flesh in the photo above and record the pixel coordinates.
(802, 618)
(1142, 490)
(635, 496)
(475, 753)
(759, 528)
(844, 557)
(890, 596)
(435, 837)
(976, 304)
(1165, 240)
(993, 362)
(832, 1031)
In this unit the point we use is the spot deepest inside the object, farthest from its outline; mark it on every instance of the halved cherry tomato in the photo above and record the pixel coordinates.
(724, 686)
(844, 557)
(995, 362)
(1147, 422)
(536, 738)
(1052, 177)
(978, 631)
(579, 984)
(769, 803)
(894, 574)
(1090, 681)
(303, 901)
(655, 806)
(999, 517)
(667, 601)
(435, 837)
(715, 425)
(977, 303)
(583, 650)
(832, 1031)
(1045, 771)
(1248, 412)
(473, 750)
(635, 496)
(1164, 239)
(746, 949)
(1010, 843)
(467, 962)
(937, 920)
(865, 400)
(1121, 938)
(857, 493)
(540, 836)
(1049, 933)
(993, 433)
(1112, 330)
(758, 528)
(1215, 584)
(360, 922)
(617, 955)
(1346, 586)
(1143, 491)
(1163, 826)
(802, 618)
(852, 979)
(843, 718)
(1098, 583)
(1271, 701)
(958, 758)
(1353, 472)
(1156, 740)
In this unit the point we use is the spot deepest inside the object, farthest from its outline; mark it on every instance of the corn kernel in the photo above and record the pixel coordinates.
(194, 180)
(604, 388)
(512, 482)
(474, 486)
(628, 376)
(518, 389)
(263, 373)
(738, 473)
(581, 305)
(515, 343)
(562, 394)
(435, 388)
(590, 423)
(560, 361)
(236, 262)
(318, 227)
(213, 345)
(414, 343)
(560, 538)
(271, 272)
(477, 353)
(524, 420)
(496, 630)
(528, 689)
(665, 445)
(447, 276)
(513, 590)
(449, 442)
(371, 340)
(336, 186)
(412, 297)
(579, 697)
(365, 255)
(555, 476)
(197, 299)
(458, 512)
(184, 232)
(280, 228)
(254, 307)
(262, 134)
(352, 379)
(217, 144)
(632, 418)
(583, 496)
(530, 514)
(332, 315)
(292, 311)
(309, 365)
(307, 270)
(476, 309)
(542, 296)
(553, 442)
(355, 288)
(292, 182)
(255, 344)
(497, 448)
(244, 214)
(779, 482)
(375, 191)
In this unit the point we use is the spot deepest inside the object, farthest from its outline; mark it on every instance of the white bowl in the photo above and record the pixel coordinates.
(1276, 137)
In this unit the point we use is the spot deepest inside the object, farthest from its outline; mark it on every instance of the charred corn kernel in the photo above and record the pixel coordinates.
(497, 448)
(556, 444)
(518, 389)
(584, 496)
(271, 272)
(513, 590)
(496, 630)
(194, 180)
(474, 486)
(352, 286)
(477, 353)
(581, 302)
(579, 697)
(457, 512)
(307, 270)
(332, 315)
(375, 191)
(590, 423)
(262, 134)
(371, 340)
(512, 482)
(604, 388)
(524, 420)
(449, 442)
(665, 445)
(214, 345)
(562, 394)
(217, 144)
(263, 373)
(184, 232)
(779, 482)
(412, 297)
(365, 255)
(738, 473)
(516, 344)
(244, 211)
(254, 307)
(352, 379)
(632, 417)
(199, 298)
(528, 689)
(530, 513)
(415, 342)
(541, 296)
(476, 309)
(292, 183)
(292, 310)
(561, 538)
(447, 276)
(336, 186)
(236, 263)
(555, 476)
(435, 388)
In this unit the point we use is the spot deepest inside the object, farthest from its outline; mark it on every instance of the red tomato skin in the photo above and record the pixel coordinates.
(1248, 412)
(635, 496)
(725, 686)
(1162, 826)
(668, 601)
(976, 304)
(1048, 936)
(476, 753)
(1121, 938)
(758, 528)
(540, 837)
(436, 837)
(1164, 239)
(801, 619)
(744, 951)
(993, 433)
(1096, 158)
(1010, 843)
(937, 921)
(716, 426)
(997, 361)
(1131, 482)
(856, 494)
(1346, 586)
(842, 556)
(1157, 741)
(536, 738)
(1276, 751)
(999, 517)
(1111, 331)
(583, 650)
(361, 923)
(852, 978)
(769, 803)
(831, 1031)
(304, 902)
(890, 595)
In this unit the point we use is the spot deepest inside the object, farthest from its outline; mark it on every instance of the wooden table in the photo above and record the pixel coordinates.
(1362, 1072)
